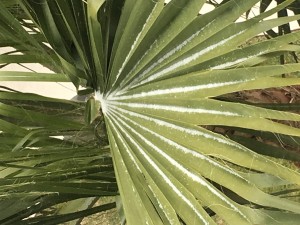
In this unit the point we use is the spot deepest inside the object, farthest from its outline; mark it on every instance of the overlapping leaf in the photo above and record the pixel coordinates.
(154, 110)
(49, 157)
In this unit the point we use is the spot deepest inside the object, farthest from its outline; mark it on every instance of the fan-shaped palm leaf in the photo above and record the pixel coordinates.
(157, 70)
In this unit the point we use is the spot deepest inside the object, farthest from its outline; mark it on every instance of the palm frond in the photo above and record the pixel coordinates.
(48, 157)
(158, 72)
